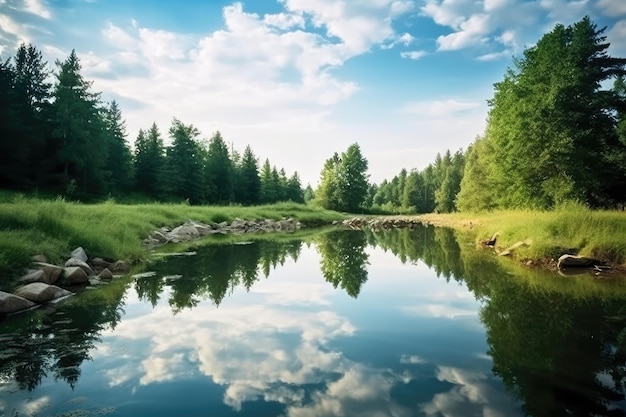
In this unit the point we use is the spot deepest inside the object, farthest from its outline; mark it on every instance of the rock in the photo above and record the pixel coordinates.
(571, 261)
(39, 258)
(37, 275)
(105, 274)
(81, 264)
(74, 275)
(120, 267)
(53, 272)
(40, 292)
(99, 262)
(11, 303)
(183, 232)
(79, 253)
(94, 281)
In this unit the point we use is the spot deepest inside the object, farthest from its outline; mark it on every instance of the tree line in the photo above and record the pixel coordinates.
(61, 137)
(555, 133)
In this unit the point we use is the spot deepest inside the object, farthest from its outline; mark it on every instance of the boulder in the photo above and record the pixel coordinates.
(105, 274)
(33, 276)
(40, 292)
(120, 267)
(53, 272)
(11, 303)
(74, 275)
(81, 264)
(571, 261)
(183, 232)
(101, 263)
(79, 253)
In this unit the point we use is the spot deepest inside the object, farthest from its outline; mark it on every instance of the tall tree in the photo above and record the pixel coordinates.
(119, 162)
(219, 171)
(184, 165)
(149, 162)
(551, 123)
(79, 127)
(248, 187)
(25, 160)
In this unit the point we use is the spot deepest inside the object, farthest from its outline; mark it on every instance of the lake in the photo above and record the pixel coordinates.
(337, 323)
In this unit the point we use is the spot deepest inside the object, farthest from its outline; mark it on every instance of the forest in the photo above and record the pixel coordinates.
(556, 133)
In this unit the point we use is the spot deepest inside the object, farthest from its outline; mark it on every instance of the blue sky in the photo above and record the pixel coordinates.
(301, 79)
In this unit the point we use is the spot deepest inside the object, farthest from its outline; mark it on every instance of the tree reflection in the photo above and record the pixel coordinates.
(558, 352)
(56, 343)
(215, 271)
(343, 259)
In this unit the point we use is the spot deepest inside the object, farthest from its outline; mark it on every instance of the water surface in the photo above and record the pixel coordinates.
(344, 323)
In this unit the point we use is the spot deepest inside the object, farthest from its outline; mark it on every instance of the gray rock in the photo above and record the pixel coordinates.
(81, 264)
(40, 292)
(79, 253)
(74, 275)
(105, 274)
(120, 267)
(53, 272)
(183, 232)
(571, 261)
(39, 258)
(33, 276)
(99, 262)
(94, 281)
(11, 303)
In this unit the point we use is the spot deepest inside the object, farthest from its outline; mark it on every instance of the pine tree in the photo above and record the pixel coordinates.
(149, 162)
(219, 171)
(119, 162)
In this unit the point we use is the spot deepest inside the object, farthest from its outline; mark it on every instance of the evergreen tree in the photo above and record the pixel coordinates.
(25, 160)
(294, 189)
(552, 124)
(149, 162)
(248, 186)
(184, 164)
(219, 171)
(79, 128)
(119, 161)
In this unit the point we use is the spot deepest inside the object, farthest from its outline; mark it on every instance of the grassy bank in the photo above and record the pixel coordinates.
(572, 229)
(31, 226)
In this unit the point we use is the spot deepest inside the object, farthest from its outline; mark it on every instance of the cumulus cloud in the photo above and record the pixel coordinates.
(414, 55)
(471, 394)
(37, 8)
(617, 37)
(612, 8)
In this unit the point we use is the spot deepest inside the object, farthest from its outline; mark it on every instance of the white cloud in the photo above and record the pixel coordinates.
(565, 11)
(284, 21)
(18, 32)
(414, 55)
(612, 8)
(471, 33)
(440, 108)
(471, 394)
(37, 8)
(617, 37)
(411, 359)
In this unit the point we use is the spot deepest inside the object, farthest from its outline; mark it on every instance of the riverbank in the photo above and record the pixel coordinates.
(570, 229)
(30, 226)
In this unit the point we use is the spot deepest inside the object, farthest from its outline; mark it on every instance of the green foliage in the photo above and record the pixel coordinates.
(344, 185)
(149, 161)
(552, 135)
(29, 226)
(219, 171)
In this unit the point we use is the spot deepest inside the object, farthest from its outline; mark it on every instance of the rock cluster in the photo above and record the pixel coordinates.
(379, 223)
(191, 230)
(43, 283)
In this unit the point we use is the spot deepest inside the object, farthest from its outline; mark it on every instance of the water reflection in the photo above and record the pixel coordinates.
(289, 343)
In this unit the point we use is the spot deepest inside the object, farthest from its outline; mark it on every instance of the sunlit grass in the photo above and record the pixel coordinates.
(571, 228)
(30, 226)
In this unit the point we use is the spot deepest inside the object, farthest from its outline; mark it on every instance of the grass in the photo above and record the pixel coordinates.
(571, 228)
(30, 226)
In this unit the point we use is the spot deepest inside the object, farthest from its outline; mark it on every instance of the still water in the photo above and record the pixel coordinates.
(341, 323)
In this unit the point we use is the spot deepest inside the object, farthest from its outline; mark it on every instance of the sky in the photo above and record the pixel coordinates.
(298, 80)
